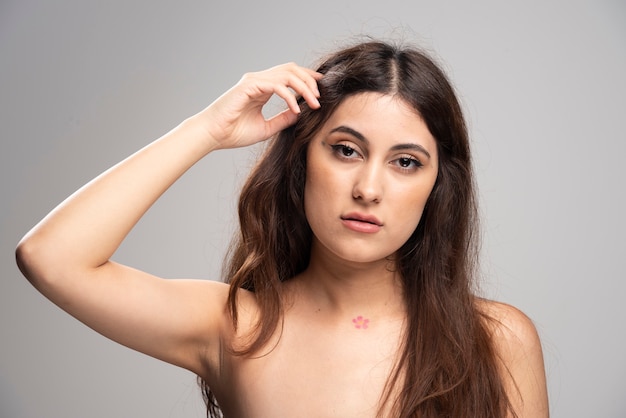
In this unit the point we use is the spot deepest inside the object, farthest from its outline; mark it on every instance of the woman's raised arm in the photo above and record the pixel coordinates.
(67, 255)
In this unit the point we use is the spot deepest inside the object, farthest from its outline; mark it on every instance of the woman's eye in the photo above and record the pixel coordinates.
(408, 163)
(344, 151)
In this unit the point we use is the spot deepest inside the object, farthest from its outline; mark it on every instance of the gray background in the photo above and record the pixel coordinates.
(84, 84)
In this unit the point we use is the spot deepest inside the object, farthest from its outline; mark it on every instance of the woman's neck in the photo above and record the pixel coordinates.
(350, 288)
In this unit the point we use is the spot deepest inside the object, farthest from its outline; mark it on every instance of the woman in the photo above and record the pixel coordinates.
(349, 288)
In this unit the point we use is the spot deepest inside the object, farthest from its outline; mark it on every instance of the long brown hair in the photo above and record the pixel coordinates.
(446, 366)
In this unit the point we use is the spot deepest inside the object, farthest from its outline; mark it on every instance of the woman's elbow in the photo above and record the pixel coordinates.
(33, 259)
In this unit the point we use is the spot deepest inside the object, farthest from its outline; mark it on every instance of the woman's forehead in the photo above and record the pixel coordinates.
(375, 116)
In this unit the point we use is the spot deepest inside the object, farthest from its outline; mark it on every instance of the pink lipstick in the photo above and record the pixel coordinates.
(361, 223)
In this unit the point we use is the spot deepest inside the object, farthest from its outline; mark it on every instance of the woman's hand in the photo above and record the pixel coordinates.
(235, 119)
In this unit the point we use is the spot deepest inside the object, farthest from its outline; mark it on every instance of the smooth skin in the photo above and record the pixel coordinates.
(322, 365)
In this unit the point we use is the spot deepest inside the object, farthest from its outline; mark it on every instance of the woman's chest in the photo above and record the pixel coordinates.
(315, 370)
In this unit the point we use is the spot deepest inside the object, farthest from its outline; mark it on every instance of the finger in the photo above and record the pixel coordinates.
(289, 97)
(312, 99)
(303, 88)
(312, 80)
(281, 121)
(309, 77)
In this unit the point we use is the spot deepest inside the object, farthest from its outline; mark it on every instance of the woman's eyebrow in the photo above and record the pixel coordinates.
(398, 147)
(347, 130)
(411, 146)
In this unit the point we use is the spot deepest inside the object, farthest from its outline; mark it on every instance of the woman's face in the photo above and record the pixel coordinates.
(370, 170)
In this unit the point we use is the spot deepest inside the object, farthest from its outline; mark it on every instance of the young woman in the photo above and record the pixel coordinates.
(350, 285)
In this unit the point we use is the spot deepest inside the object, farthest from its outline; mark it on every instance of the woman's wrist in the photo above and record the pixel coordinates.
(194, 129)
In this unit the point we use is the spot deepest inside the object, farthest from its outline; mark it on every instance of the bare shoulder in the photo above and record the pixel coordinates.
(246, 303)
(248, 313)
(518, 347)
(202, 314)
(509, 325)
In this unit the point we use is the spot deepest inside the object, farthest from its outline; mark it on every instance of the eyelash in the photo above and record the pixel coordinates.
(340, 150)
(414, 162)
(406, 163)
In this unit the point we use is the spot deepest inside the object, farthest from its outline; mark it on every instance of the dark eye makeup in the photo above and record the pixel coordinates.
(405, 163)
(409, 162)
(344, 151)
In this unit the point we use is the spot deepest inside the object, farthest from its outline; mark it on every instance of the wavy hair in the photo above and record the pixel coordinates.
(446, 366)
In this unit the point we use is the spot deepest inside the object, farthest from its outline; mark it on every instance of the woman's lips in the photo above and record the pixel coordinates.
(361, 223)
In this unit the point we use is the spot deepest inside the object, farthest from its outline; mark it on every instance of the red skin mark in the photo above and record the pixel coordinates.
(360, 322)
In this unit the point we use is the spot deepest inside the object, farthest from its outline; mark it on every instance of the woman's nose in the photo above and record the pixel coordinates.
(368, 187)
